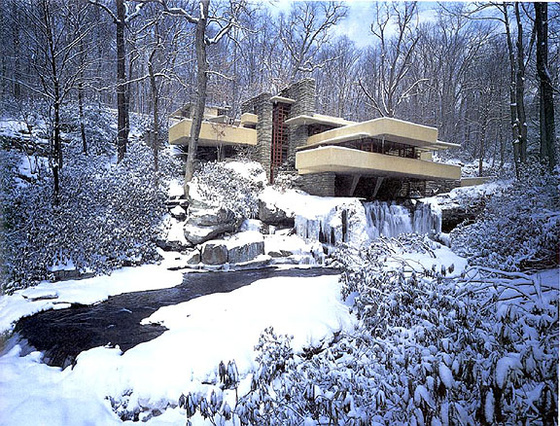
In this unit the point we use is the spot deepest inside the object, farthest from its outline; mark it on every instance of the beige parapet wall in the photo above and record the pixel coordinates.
(389, 128)
(351, 161)
(473, 181)
(212, 134)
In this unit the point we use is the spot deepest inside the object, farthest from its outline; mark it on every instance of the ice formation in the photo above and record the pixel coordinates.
(358, 222)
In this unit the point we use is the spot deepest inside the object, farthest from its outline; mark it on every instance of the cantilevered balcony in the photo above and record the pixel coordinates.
(349, 161)
(214, 133)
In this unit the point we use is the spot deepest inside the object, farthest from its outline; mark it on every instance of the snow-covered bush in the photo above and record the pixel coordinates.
(518, 230)
(107, 217)
(428, 349)
(222, 186)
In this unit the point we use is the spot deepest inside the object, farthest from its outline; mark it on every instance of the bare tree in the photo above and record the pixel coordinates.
(121, 18)
(305, 30)
(336, 80)
(204, 24)
(546, 92)
(159, 41)
(395, 54)
(54, 50)
(518, 59)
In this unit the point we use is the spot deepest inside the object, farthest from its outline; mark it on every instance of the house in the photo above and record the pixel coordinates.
(383, 158)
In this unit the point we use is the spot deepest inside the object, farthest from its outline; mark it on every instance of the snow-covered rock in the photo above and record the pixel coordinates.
(205, 224)
(214, 253)
(273, 215)
(246, 251)
(241, 248)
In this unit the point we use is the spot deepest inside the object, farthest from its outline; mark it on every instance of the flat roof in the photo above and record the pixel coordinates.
(390, 129)
(282, 99)
(318, 119)
(335, 140)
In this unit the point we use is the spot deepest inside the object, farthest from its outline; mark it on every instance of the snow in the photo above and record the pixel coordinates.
(12, 127)
(34, 393)
(250, 170)
(175, 189)
(202, 332)
(446, 375)
(297, 203)
(63, 266)
(442, 258)
(504, 366)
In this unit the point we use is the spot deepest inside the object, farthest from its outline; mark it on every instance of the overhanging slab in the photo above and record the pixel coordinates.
(212, 134)
(350, 161)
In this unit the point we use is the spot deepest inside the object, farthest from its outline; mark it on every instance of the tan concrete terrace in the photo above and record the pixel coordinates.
(216, 132)
(354, 162)
(382, 128)
(380, 147)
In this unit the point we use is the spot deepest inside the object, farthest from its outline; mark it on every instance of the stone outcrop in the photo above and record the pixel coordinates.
(205, 224)
(246, 252)
(214, 254)
(272, 215)
(235, 251)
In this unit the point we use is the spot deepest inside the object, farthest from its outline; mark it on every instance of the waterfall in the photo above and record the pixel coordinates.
(357, 222)
(391, 220)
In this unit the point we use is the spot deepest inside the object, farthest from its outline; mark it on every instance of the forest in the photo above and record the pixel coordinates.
(141, 283)
(482, 73)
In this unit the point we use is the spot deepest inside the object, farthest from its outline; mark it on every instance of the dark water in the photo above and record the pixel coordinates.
(61, 335)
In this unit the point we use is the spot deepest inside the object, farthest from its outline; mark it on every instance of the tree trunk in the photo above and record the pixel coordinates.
(155, 111)
(122, 106)
(201, 83)
(546, 101)
(512, 94)
(81, 112)
(520, 89)
(56, 154)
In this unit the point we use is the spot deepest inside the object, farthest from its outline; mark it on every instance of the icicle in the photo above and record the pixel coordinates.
(350, 223)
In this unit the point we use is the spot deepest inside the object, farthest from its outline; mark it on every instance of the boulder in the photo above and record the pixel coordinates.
(245, 252)
(274, 254)
(178, 213)
(242, 248)
(194, 258)
(272, 215)
(214, 254)
(167, 245)
(205, 224)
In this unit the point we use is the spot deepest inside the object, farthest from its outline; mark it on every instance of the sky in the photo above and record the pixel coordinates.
(360, 16)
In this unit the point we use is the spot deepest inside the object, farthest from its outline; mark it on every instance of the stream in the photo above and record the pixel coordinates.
(63, 334)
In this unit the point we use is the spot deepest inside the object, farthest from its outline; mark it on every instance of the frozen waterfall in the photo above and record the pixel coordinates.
(391, 220)
(357, 222)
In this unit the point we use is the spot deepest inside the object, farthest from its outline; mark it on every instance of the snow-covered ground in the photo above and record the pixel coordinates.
(202, 332)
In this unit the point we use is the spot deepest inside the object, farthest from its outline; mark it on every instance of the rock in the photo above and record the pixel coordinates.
(194, 258)
(205, 224)
(245, 252)
(275, 254)
(166, 245)
(178, 213)
(242, 248)
(214, 254)
(272, 215)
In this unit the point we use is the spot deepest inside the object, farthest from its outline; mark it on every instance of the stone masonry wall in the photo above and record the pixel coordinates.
(304, 94)
(321, 184)
(261, 106)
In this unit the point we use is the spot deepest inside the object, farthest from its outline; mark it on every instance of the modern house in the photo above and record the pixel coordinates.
(381, 158)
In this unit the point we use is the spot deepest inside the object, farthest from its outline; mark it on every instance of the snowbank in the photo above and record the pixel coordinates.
(202, 332)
